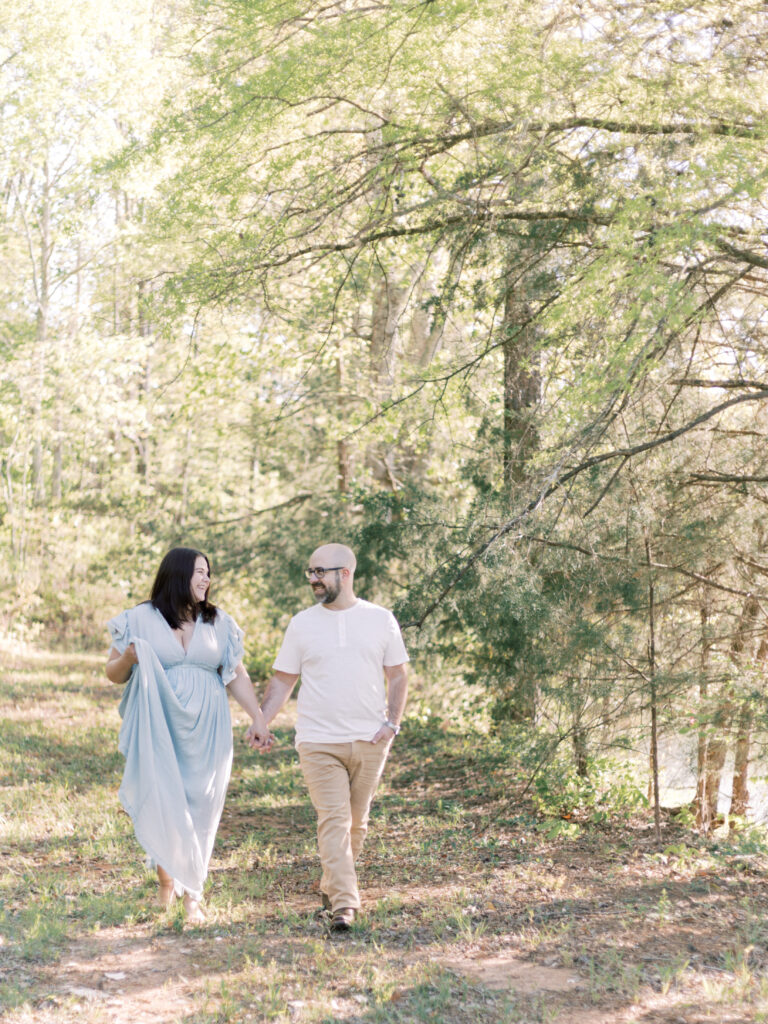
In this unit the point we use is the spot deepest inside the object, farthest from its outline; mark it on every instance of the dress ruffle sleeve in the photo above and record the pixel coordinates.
(233, 649)
(120, 631)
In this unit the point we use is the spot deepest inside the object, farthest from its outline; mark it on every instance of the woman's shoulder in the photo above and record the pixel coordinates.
(222, 620)
(145, 610)
(132, 623)
(140, 615)
(227, 629)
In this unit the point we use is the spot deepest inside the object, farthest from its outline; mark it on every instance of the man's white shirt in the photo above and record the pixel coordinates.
(340, 656)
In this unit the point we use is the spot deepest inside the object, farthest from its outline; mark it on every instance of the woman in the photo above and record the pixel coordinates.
(180, 654)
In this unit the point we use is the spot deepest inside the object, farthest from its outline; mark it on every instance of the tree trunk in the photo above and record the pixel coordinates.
(429, 321)
(580, 753)
(522, 386)
(343, 461)
(740, 792)
(41, 337)
(713, 771)
(653, 696)
(389, 301)
(146, 437)
(713, 742)
(743, 641)
(701, 805)
(740, 799)
(58, 455)
(186, 461)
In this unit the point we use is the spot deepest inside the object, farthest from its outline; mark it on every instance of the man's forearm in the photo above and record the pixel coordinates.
(277, 693)
(397, 694)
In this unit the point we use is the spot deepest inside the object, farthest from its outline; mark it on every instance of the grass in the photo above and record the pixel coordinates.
(458, 878)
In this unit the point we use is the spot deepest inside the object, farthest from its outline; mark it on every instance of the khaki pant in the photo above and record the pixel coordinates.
(342, 779)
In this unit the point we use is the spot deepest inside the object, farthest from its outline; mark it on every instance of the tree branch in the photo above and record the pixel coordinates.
(558, 481)
(744, 255)
(726, 478)
(477, 217)
(697, 129)
(297, 499)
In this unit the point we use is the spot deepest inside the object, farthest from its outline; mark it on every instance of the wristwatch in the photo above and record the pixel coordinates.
(395, 728)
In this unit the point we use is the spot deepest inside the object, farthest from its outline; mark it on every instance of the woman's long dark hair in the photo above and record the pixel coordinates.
(171, 593)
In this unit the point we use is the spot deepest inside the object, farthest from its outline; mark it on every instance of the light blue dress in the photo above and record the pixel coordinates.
(176, 737)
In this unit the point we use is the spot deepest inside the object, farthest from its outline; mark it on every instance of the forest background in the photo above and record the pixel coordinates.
(477, 286)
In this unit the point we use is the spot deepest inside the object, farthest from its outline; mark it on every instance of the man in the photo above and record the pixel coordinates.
(343, 647)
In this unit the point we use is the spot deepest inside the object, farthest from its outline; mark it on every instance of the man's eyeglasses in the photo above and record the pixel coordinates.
(318, 572)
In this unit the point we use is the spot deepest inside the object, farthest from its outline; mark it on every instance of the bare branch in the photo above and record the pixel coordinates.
(726, 478)
(743, 255)
(297, 499)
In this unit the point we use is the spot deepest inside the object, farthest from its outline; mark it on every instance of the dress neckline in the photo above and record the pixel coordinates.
(173, 632)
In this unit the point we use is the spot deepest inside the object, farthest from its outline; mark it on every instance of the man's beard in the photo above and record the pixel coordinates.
(328, 594)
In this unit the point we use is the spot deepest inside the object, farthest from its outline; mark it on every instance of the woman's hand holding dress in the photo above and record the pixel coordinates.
(119, 666)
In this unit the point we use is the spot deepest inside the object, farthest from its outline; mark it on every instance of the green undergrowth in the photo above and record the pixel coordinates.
(468, 863)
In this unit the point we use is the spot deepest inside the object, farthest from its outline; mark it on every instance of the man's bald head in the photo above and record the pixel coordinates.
(334, 587)
(334, 554)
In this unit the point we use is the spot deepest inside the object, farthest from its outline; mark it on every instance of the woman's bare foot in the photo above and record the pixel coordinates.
(193, 910)
(165, 890)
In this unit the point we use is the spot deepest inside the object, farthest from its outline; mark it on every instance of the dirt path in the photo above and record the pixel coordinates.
(131, 977)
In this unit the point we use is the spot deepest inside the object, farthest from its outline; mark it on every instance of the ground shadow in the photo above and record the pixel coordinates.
(38, 753)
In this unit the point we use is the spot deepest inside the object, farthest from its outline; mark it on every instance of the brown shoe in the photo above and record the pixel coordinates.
(342, 919)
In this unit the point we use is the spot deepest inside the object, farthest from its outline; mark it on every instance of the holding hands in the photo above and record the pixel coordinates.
(258, 737)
